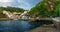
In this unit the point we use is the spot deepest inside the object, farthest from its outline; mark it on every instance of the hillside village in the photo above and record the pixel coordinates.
(15, 15)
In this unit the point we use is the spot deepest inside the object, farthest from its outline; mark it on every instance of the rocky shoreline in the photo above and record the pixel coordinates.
(44, 29)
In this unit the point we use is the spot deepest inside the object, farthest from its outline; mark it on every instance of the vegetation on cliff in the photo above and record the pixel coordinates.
(46, 7)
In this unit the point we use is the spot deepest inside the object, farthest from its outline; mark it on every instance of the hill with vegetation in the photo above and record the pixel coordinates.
(11, 9)
(46, 7)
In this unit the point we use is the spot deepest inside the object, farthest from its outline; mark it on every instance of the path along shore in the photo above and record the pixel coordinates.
(45, 29)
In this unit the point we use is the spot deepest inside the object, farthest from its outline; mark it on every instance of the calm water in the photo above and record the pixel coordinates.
(18, 25)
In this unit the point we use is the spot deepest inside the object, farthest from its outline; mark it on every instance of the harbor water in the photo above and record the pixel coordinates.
(19, 25)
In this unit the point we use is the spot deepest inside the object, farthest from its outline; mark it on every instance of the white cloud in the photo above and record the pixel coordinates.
(15, 3)
(5, 1)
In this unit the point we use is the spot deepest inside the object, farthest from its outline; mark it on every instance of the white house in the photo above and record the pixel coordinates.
(25, 15)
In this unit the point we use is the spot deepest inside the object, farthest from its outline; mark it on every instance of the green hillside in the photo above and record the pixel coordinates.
(11, 9)
(46, 7)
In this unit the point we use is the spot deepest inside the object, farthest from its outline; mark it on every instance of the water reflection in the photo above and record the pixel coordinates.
(18, 25)
(14, 26)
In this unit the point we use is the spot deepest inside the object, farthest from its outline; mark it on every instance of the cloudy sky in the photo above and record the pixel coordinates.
(26, 4)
